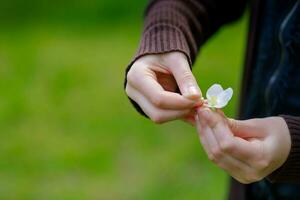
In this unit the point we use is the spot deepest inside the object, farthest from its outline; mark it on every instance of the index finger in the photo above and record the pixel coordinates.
(237, 147)
(161, 98)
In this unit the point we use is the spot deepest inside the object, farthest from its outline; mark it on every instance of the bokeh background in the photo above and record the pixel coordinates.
(67, 128)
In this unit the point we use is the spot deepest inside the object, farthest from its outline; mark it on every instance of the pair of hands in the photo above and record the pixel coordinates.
(248, 150)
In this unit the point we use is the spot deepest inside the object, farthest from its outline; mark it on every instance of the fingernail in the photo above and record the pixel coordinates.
(192, 93)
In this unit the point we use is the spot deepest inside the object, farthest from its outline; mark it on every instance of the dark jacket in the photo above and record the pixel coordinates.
(185, 25)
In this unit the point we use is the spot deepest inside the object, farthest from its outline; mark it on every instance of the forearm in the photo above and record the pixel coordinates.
(184, 25)
(173, 25)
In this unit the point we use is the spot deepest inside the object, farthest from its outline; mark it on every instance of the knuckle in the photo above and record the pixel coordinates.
(129, 75)
(217, 154)
(226, 146)
(128, 90)
(157, 119)
(262, 160)
(240, 179)
(132, 76)
(212, 123)
(211, 157)
(244, 181)
(262, 165)
(233, 124)
(252, 177)
(187, 75)
(157, 100)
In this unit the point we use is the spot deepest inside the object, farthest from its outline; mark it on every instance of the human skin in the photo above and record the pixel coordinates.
(249, 150)
(152, 82)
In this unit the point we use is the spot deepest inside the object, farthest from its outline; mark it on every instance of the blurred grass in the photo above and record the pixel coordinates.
(69, 132)
(70, 12)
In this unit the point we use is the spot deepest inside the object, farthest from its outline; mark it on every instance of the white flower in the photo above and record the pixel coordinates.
(217, 97)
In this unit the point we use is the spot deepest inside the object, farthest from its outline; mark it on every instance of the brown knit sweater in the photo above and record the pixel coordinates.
(184, 25)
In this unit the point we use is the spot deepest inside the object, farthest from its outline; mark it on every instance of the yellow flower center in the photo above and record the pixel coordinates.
(213, 100)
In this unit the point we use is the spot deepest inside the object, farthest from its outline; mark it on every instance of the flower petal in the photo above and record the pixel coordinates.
(210, 106)
(224, 98)
(214, 90)
(221, 105)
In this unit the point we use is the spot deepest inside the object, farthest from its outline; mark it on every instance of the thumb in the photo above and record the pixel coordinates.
(244, 128)
(186, 81)
(235, 125)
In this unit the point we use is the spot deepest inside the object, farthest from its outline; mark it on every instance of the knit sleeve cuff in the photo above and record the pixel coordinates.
(163, 38)
(290, 170)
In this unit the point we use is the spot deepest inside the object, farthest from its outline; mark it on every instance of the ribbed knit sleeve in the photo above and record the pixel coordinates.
(183, 25)
(290, 171)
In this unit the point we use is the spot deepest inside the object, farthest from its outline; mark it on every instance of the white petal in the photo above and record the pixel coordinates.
(214, 90)
(220, 105)
(210, 106)
(224, 98)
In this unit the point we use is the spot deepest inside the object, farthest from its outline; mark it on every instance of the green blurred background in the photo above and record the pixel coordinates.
(67, 128)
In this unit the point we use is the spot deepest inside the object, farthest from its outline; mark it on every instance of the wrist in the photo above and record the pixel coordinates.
(278, 142)
(283, 130)
(288, 172)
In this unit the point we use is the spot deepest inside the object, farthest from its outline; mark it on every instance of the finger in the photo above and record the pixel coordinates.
(185, 79)
(202, 138)
(150, 88)
(233, 166)
(210, 143)
(246, 129)
(156, 114)
(239, 148)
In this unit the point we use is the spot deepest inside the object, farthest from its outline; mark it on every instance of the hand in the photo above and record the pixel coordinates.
(152, 82)
(248, 150)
